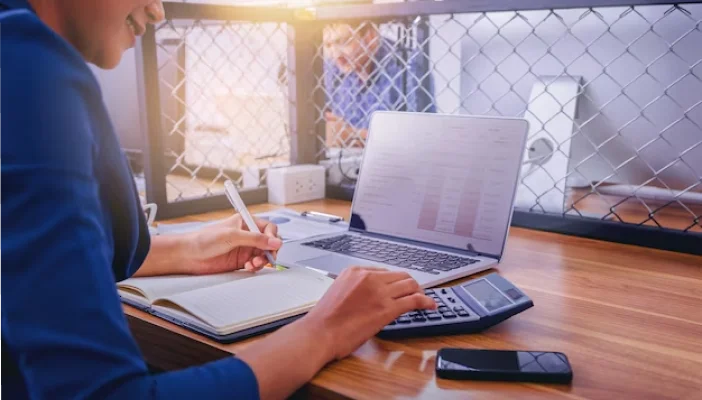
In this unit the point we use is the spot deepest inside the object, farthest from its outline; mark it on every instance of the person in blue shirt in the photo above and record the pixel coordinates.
(365, 72)
(72, 226)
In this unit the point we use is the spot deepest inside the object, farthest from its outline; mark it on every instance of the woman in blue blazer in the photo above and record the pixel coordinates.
(72, 226)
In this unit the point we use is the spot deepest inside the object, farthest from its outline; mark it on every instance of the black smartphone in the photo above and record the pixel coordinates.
(502, 365)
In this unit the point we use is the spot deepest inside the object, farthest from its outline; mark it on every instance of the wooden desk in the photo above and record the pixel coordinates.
(629, 319)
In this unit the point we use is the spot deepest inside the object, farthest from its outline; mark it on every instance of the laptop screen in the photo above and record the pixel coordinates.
(447, 180)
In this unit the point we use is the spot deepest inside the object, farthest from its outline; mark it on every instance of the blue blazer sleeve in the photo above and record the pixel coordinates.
(62, 322)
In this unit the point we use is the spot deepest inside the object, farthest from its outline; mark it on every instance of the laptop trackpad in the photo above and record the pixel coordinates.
(333, 263)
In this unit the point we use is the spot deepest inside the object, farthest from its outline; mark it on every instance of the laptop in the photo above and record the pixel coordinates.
(434, 198)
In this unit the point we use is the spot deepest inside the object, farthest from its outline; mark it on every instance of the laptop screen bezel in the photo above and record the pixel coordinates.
(354, 220)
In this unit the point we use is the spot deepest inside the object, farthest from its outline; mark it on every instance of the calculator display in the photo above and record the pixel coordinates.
(487, 295)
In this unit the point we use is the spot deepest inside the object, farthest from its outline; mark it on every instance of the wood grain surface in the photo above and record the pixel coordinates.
(628, 318)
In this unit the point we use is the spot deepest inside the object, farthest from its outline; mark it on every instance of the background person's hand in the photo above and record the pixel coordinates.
(360, 303)
(340, 133)
(229, 246)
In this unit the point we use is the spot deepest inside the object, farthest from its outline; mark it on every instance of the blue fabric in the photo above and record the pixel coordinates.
(390, 87)
(71, 227)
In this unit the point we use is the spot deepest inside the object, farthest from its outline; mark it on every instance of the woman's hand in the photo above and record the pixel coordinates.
(358, 305)
(229, 246)
(226, 246)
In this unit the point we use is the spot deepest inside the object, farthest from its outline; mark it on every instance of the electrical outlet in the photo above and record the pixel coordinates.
(295, 184)
(305, 184)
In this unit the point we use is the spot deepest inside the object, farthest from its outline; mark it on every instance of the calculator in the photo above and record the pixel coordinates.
(466, 308)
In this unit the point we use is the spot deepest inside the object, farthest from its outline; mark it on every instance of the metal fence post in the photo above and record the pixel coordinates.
(305, 38)
(150, 104)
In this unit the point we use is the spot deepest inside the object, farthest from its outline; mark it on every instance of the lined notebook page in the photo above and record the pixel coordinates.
(246, 302)
(163, 286)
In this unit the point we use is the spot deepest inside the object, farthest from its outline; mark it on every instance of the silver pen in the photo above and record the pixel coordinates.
(240, 207)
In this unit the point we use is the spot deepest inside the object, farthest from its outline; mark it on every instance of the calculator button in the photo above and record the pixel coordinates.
(463, 313)
(451, 299)
(428, 291)
(449, 315)
(444, 309)
(433, 317)
(404, 320)
(443, 291)
(419, 319)
(457, 308)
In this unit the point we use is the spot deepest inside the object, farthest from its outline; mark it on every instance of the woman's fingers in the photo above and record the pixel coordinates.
(394, 276)
(413, 302)
(251, 246)
(243, 256)
(242, 238)
(268, 228)
(255, 264)
(265, 226)
(403, 288)
(259, 262)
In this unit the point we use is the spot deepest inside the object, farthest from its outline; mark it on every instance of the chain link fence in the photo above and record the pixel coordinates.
(613, 96)
(224, 103)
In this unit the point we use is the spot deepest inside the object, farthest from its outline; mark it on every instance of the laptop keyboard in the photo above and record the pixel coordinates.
(392, 253)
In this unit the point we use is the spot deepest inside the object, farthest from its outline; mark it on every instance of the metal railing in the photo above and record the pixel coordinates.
(612, 90)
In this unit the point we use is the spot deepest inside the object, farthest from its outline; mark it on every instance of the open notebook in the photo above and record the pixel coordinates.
(229, 306)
